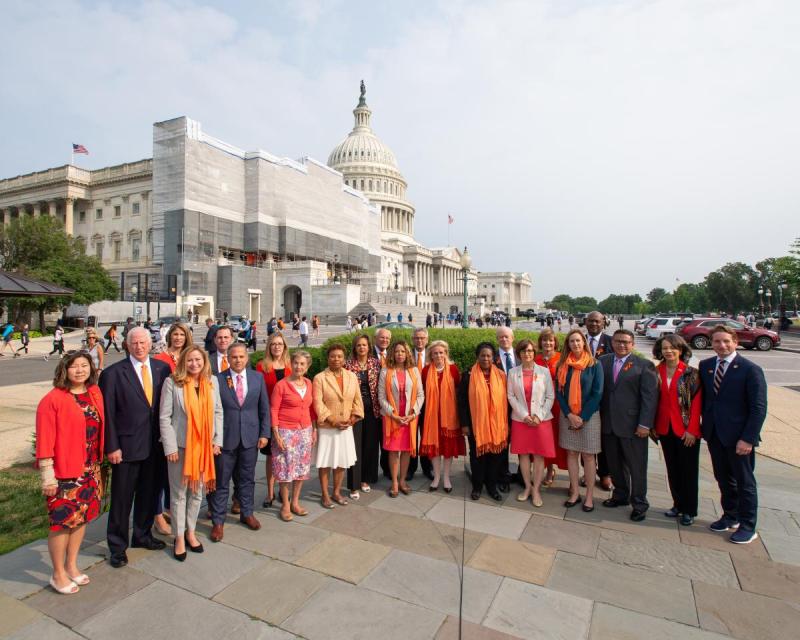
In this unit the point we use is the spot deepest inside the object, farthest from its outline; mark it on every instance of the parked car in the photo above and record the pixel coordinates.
(697, 332)
(660, 326)
(640, 326)
(580, 319)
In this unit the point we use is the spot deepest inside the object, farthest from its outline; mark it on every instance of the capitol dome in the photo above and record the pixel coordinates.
(368, 165)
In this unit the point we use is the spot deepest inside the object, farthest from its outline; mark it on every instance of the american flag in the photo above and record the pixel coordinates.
(79, 148)
(450, 219)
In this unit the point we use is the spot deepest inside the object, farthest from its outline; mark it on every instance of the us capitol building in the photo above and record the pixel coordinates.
(212, 227)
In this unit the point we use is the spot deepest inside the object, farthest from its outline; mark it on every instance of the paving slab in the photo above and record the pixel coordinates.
(654, 526)
(416, 504)
(496, 521)
(699, 535)
(162, 611)
(514, 559)
(256, 630)
(425, 537)
(781, 523)
(341, 611)
(469, 631)
(204, 574)
(282, 540)
(43, 629)
(27, 569)
(672, 558)
(744, 615)
(613, 623)
(644, 591)
(433, 584)
(563, 535)
(351, 522)
(271, 592)
(530, 611)
(14, 615)
(767, 578)
(344, 557)
(784, 549)
(108, 586)
(552, 502)
(770, 497)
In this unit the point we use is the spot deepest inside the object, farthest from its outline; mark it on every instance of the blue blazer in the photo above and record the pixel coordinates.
(738, 411)
(247, 423)
(591, 391)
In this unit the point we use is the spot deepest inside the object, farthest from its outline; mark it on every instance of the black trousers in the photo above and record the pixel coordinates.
(627, 462)
(736, 479)
(683, 469)
(371, 438)
(486, 470)
(354, 473)
(427, 465)
(239, 465)
(133, 486)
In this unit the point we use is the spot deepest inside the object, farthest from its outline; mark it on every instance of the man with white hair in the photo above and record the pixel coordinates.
(131, 397)
(506, 360)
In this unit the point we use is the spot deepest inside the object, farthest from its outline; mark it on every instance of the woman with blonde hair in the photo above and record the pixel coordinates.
(274, 367)
(94, 348)
(401, 394)
(442, 439)
(191, 420)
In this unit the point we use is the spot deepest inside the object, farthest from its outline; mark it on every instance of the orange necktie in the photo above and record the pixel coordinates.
(224, 365)
(419, 361)
(147, 384)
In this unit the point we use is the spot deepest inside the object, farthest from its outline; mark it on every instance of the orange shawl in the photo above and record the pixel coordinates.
(390, 424)
(574, 399)
(198, 463)
(488, 407)
(438, 407)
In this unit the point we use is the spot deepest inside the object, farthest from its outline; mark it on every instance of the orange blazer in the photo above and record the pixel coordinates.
(61, 430)
(669, 412)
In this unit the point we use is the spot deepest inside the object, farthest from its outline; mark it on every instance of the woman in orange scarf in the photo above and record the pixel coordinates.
(579, 389)
(548, 356)
(400, 394)
(483, 412)
(442, 439)
(191, 431)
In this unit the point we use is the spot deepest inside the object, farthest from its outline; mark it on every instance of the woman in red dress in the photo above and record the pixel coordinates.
(274, 366)
(69, 446)
(442, 439)
(548, 357)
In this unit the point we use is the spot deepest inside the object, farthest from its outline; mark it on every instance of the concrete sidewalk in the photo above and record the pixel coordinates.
(389, 568)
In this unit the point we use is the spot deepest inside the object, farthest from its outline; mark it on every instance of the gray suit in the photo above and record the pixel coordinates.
(628, 403)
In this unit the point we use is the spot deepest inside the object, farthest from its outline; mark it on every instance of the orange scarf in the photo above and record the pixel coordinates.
(438, 407)
(198, 463)
(390, 425)
(574, 399)
(488, 407)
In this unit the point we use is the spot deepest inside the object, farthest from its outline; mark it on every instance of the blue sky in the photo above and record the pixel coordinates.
(601, 146)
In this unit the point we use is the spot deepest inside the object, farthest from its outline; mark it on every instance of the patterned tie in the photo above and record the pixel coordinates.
(509, 365)
(224, 365)
(617, 368)
(383, 358)
(147, 384)
(718, 375)
(239, 389)
(593, 344)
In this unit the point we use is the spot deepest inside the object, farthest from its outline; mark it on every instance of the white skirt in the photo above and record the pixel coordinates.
(335, 449)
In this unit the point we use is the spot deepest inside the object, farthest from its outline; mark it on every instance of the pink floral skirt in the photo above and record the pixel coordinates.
(293, 462)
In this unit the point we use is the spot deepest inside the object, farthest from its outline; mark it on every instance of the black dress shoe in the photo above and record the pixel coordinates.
(197, 549)
(503, 487)
(587, 509)
(637, 516)
(687, 520)
(495, 495)
(266, 504)
(448, 489)
(613, 502)
(672, 513)
(475, 495)
(119, 561)
(571, 503)
(180, 557)
(151, 544)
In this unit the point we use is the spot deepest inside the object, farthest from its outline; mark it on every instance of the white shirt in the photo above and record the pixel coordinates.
(243, 375)
(727, 360)
(137, 367)
(594, 342)
(303, 328)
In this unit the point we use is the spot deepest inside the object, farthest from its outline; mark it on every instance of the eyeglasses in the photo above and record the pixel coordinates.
(528, 351)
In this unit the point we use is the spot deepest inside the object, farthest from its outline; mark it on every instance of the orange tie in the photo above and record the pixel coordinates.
(383, 359)
(419, 361)
(147, 384)
(224, 365)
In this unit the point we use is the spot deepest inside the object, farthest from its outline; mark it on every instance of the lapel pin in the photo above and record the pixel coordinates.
(736, 366)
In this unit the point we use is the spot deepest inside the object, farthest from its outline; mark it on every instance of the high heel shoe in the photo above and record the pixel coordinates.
(180, 557)
(571, 503)
(197, 549)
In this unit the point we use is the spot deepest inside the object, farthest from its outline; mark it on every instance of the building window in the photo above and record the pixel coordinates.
(117, 211)
(362, 185)
(98, 250)
(135, 246)
(135, 208)
(370, 185)
(81, 216)
(117, 250)
(98, 214)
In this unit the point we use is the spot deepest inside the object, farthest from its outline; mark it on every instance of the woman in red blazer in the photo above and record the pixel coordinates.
(69, 450)
(678, 423)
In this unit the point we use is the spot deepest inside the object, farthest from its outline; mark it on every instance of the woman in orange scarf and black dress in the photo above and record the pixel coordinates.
(579, 389)
(548, 356)
(442, 439)
(483, 412)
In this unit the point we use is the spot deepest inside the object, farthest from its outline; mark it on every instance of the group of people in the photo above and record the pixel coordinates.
(187, 422)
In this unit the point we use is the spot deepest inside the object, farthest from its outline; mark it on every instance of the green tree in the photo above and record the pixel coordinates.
(655, 295)
(39, 248)
(691, 297)
(732, 288)
(561, 302)
(584, 304)
(618, 303)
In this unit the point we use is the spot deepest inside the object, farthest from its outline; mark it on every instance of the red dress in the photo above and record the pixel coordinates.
(451, 443)
(528, 439)
(560, 459)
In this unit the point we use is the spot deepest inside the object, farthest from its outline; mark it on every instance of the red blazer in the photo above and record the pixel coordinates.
(290, 411)
(270, 379)
(669, 412)
(61, 431)
(165, 357)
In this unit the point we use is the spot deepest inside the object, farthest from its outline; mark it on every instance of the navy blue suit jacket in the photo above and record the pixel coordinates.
(738, 411)
(131, 424)
(247, 423)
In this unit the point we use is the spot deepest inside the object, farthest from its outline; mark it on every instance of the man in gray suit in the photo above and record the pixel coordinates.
(247, 422)
(627, 413)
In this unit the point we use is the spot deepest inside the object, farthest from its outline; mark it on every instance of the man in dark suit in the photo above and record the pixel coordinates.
(208, 341)
(132, 394)
(223, 339)
(599, 344)
(734, 410)
(245, 431)
(628, 413)
(505, 360)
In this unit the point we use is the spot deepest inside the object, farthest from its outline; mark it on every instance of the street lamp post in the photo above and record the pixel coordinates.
(466, 263)
(134, 291)
(768, 293)
(396, 276)
(761, 300)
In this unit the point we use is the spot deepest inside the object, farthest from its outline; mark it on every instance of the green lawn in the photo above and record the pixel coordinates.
(23, 514)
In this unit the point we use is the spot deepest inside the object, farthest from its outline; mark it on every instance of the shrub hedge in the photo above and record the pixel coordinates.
(462, 344)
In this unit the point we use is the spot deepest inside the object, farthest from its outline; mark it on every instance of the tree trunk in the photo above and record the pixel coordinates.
(41, 318)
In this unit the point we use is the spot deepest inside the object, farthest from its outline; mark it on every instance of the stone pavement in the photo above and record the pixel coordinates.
(390, 568)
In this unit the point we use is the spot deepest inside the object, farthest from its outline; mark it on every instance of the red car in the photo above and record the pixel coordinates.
(697, 332)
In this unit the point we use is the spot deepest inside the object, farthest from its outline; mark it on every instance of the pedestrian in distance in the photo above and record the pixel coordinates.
(58, 342)
(25, 339)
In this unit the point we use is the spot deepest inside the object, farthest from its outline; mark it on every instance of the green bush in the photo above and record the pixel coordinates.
(31, 334)
(462, 343)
